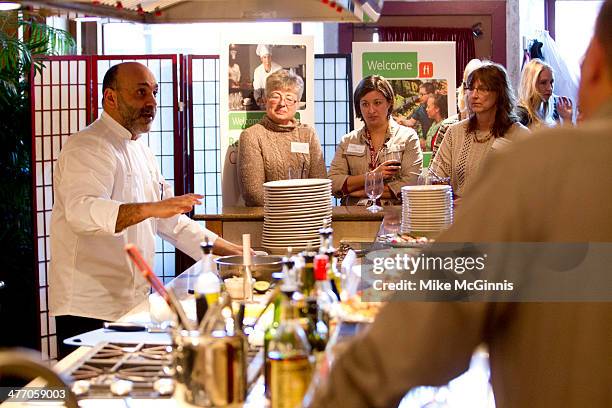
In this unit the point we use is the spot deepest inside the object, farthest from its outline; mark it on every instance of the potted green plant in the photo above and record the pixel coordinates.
(22, 37)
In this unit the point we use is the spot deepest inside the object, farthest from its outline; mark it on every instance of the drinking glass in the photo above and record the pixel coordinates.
(395, 156)
(297, 173)
(374, 188)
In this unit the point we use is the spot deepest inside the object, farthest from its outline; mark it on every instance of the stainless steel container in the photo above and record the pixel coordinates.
(212, 368)
(262, 268)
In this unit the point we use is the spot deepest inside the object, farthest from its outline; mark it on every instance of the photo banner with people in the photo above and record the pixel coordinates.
(422, 75)
(247, 61)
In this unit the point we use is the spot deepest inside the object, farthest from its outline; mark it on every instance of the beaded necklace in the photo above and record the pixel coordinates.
(373, 152)
(485, 139)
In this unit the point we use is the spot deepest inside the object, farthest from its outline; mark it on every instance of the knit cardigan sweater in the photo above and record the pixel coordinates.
(461, 156)
(265, 154)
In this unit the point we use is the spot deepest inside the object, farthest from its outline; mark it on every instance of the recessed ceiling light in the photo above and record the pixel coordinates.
(4, 6)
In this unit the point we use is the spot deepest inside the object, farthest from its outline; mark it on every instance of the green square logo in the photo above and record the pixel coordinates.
(390, 64)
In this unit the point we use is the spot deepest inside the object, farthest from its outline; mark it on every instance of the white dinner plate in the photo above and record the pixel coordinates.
(428, 188)
(304, 208)
(296, 183)
(310, 224)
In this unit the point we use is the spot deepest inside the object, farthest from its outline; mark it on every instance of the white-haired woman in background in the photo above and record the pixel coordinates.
(278, 143)
(536, 104)
(261, 73)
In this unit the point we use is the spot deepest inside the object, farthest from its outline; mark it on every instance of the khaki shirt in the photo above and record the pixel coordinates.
(541, 354)
(353, 157)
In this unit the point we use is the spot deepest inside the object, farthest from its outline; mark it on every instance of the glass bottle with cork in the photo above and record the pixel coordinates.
(326, 247)
(289, 286)
(307, 275)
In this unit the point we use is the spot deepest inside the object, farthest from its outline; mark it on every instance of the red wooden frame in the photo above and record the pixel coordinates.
(179, 145)
(496, 9)
(35, 208)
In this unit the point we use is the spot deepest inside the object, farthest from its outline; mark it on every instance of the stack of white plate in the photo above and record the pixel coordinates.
(294, 211)
(427, 209)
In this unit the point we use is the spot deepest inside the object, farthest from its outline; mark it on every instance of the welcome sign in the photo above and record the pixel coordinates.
(390, 64)
(417, 72)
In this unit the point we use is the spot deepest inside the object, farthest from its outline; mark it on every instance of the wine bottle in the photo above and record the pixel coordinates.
(290, 367)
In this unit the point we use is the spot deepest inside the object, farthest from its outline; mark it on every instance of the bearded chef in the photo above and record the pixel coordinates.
(109, 191)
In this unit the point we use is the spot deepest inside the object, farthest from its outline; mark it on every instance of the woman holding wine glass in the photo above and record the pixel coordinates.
(381, 146)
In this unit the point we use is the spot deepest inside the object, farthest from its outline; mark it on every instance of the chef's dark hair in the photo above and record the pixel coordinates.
(369, 84)
(110, 78)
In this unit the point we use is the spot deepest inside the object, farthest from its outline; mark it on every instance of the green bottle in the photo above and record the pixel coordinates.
(268, 335)
(307, 277)
(289, 357)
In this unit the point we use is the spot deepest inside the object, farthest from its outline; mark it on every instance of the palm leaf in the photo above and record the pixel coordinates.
(17, 57)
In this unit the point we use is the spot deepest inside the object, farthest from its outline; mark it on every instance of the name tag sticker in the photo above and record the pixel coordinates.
(297, 147)
(355, 149)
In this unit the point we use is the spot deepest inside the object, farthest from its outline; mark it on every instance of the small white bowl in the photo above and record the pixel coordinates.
(159, 309)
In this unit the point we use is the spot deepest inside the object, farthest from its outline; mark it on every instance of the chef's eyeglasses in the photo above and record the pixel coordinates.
(276, 97)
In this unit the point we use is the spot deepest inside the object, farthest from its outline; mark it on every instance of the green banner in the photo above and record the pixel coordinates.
(426, 159)
(245, 119)
(390, 64)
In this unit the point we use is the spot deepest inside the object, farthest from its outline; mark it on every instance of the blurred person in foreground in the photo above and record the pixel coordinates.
(278, 144)
(369, 148)
(109, 192)
(491, 126)
(541, 354)
(537, 106)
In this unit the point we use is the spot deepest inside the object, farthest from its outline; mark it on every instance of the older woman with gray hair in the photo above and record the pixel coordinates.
(278, 143)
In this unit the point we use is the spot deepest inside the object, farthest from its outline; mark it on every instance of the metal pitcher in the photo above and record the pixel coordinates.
(212, 367)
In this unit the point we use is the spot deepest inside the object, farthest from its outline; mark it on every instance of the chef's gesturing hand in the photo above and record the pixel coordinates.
(388, 168)
(176, 205)
(130, 214)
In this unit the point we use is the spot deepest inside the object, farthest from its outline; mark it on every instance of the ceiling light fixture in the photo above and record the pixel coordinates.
(6, 6)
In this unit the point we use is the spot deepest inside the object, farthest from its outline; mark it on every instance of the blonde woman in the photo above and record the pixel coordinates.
(536, 105)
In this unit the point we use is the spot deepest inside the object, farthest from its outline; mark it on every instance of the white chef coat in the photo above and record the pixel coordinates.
(259, 79)
(98, 169)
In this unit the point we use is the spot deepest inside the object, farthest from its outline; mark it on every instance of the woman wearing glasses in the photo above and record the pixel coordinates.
(490, 126)
(278, 144)
(382, 145)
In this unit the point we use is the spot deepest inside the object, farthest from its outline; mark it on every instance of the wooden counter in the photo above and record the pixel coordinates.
(351, 223)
